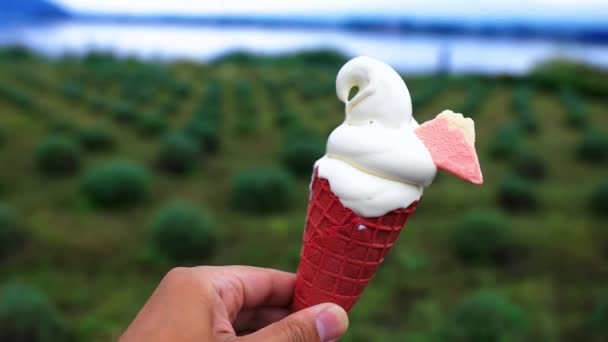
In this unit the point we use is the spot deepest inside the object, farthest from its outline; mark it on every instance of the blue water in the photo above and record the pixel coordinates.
(416, 53)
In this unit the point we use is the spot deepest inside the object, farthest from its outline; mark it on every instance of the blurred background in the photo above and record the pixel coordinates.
(137, 136)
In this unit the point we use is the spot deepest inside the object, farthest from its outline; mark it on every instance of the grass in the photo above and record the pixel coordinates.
(557, 281)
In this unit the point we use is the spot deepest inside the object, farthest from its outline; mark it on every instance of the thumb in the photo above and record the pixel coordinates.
(323, 322)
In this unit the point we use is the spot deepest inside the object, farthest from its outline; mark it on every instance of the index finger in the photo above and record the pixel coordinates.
(245, 287)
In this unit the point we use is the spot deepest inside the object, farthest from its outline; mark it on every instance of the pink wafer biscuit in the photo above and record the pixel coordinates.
(450, 138)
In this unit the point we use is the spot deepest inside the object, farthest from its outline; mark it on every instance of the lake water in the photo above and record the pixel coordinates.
(416, 53)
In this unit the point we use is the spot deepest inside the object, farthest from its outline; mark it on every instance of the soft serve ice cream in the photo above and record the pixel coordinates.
(370, 181)
(375, 163)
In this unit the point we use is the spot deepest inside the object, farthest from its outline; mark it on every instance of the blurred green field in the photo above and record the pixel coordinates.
(542, 144)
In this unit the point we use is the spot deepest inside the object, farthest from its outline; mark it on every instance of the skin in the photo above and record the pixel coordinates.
(232, 304)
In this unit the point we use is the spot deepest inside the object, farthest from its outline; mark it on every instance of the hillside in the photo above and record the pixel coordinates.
(101, 157)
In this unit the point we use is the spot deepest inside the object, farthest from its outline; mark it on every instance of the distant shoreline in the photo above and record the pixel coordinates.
(504, 30)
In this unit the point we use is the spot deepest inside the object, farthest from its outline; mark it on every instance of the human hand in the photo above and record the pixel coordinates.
(232, 304)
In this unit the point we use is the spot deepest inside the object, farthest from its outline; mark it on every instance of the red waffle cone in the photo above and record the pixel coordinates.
(341, 250)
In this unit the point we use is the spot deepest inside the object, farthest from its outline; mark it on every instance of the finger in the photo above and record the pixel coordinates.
(255, 319)
(243, 287)
(264, 286)
(324, 322)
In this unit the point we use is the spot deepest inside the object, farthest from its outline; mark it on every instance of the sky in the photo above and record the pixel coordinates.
(424, 8)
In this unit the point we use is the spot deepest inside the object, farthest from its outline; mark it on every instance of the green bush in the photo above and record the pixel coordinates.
(262, 191)
(206, 135)
(58, 156)
(98, 104)
(26, 315)
(594, 147)
(3, 138)
(476, 93)
(183, 233)
(124, 113)
(97, 139)
(178, 153)
(285, 118)
(20, 98)
(598, 318)
(300, 156)
(484, 237)
(598, 202)
(152, 125)
(61, 125)
(73, 91)
(483, 317)
(506, 143)
(521, 105)
(10, 234)
(181, 88)
(516, 195)
(530, 166)
(116, 185)
(576, 113)
(168, 108)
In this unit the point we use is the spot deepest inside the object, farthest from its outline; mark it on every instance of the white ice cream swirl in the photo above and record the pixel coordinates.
(375, 163)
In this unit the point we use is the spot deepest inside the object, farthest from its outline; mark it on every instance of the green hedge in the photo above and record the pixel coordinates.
(517, 195)
(526, 117)
(594, 147)
(178, 154)
(576, 113)
(484, 317)
(183, 233)
(484, 237)
(598, 318)
(97, 139)
(26, 315)
(262, 191)
(506, 143)
(530, 166)
(58, 156)
(3, 137)
(116, 185)
(10, 233)
(124, 113)
(300, 156)
(598, 201)
(205, 133)
(152, 125)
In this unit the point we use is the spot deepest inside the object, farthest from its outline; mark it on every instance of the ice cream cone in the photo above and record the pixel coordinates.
(341, 250)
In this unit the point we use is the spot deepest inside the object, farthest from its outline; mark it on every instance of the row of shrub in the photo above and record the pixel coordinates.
(247, 113)
(576, 113)
(26, 314)
(18, 97)
(487, 237)
(508, 143)
(123, 184)
(301, 148)
(313, 88)
(424, 96)
(277, 93)
(205, 123)
(487, 315)
(525, 116)
(476, 93)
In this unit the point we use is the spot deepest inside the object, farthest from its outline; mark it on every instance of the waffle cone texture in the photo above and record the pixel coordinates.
(341, 250)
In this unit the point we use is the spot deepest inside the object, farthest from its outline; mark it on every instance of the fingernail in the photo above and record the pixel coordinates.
(332, 323)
